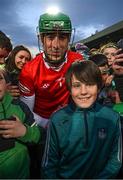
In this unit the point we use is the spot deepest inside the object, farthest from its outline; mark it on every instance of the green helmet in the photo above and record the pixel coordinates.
(54, 22)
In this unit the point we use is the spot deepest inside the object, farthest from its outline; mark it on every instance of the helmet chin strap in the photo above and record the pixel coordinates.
(55, 63)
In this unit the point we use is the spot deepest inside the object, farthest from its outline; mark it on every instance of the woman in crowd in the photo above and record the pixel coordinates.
(19, 56)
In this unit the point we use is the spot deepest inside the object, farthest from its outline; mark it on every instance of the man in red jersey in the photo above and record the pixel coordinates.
(42, 81)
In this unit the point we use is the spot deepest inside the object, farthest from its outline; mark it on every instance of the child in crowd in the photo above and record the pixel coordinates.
(17, 130)
(5, 48)
(84, 137)
(108, 94)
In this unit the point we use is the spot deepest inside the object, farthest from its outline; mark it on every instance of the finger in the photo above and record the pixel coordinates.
(17, 119)
(7, 136)
(5, 132)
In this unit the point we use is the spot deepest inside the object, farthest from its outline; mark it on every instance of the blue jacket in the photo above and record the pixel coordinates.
(83, 143)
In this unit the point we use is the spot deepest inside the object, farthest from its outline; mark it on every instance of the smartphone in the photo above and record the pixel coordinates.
(120, 52)
(120, 63)
(7, 143)
(11, 118)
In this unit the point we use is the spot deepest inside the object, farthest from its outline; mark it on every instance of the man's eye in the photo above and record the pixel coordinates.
(50, 37)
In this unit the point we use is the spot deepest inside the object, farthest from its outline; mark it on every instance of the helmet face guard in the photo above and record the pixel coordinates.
(49, 23)
(57, 24)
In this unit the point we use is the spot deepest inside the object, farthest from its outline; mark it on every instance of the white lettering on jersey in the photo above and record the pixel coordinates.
(60, 80)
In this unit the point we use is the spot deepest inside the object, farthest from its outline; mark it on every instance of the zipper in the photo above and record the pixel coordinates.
(4, 112)
(86, 128)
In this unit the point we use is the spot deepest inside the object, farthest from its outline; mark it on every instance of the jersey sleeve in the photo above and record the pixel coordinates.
(26, 83)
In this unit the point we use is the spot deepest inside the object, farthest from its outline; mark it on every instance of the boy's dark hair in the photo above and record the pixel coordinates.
(5, 42)
(86, 72)
(99, 59)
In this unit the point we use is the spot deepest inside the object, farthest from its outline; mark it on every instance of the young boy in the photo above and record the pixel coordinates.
(5, 48)
(108, 95)
(84, 137)
(17, 129)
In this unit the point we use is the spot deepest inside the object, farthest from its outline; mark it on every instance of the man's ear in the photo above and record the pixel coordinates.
(41, 38)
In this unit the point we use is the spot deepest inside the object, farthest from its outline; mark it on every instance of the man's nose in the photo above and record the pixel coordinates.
(56, 42)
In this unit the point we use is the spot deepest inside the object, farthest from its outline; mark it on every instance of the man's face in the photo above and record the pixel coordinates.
(55, 45)
(3, 54)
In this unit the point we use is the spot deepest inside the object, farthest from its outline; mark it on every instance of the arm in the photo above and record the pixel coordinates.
(50, 162)
(115, 158)
(30, 100)
(27, 90)
(23, 127)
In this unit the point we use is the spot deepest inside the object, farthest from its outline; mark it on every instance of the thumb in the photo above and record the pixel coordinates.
(15, 118)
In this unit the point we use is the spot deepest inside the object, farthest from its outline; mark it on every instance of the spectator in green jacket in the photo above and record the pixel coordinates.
(84, 137)
(17, 130)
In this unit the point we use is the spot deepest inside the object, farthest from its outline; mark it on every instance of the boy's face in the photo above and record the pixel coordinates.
(84, 95)
(3, 54)
(3, 85)
(110, 54)
(104, 72)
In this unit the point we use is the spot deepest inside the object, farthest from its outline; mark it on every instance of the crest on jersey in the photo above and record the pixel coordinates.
(102, 133)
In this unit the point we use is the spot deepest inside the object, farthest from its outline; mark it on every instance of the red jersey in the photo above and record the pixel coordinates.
(47, 84)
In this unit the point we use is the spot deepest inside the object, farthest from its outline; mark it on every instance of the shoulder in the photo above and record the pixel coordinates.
(31, 67)
(34, 62)
(61, 115)
(106, 113)
(74, 56)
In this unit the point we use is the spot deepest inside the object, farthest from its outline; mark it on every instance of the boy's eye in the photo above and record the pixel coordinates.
(76, 85)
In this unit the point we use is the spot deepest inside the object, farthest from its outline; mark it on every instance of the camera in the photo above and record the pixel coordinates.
(120, 52)
(119, 63)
